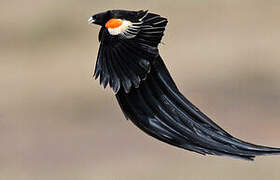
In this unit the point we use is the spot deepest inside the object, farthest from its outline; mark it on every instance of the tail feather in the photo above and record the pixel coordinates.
(159, 109)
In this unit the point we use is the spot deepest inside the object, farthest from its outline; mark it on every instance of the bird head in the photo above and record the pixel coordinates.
(128, 24)
(117, 22)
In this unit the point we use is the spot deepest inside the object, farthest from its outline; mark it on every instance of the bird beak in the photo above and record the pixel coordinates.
(91, 20)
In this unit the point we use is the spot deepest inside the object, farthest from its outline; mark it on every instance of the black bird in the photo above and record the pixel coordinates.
(129, 61)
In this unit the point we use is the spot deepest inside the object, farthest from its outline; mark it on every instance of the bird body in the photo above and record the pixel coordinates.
(129, 62)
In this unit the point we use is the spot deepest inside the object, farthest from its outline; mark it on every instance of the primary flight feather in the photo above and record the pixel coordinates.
(129, 62)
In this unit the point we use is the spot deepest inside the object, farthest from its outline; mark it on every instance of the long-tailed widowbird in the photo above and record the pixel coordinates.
(129, 61)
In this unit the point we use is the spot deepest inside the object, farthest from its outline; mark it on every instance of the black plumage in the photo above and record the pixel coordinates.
(130, 63)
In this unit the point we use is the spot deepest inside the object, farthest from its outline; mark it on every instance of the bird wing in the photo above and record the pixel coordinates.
(125, 62)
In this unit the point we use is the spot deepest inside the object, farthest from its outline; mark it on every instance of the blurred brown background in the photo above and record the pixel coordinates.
(57, 123)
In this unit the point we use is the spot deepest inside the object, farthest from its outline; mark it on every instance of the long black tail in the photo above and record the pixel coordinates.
(158, 108)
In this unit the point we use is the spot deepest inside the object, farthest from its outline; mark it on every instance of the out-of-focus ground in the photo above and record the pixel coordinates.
(57, 123)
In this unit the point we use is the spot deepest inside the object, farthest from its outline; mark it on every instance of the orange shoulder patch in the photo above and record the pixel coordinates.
(113, 23)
